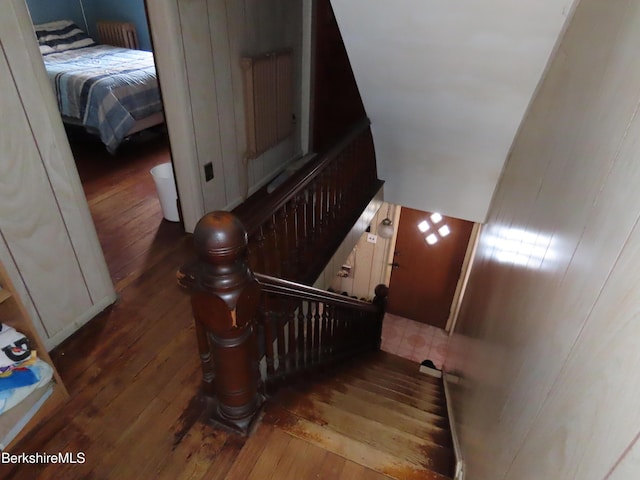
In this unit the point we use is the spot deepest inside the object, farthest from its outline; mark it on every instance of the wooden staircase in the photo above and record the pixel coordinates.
(378, 418)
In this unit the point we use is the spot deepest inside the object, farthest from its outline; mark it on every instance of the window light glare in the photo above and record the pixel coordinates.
(436, 217)
(444, 230)
(423, 226)
(431, 239)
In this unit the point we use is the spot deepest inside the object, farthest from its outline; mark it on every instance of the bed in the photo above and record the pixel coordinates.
(111, 91)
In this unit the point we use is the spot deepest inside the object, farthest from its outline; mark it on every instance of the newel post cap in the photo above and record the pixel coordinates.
(219, 238)
(381, 291)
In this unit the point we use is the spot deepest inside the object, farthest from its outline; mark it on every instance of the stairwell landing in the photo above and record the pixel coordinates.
(413, 340)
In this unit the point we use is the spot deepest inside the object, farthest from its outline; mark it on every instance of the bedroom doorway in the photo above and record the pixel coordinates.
(124, 204)
(118, 186)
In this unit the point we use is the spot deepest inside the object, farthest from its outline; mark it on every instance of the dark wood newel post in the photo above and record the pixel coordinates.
(381, 291)
(224, 299)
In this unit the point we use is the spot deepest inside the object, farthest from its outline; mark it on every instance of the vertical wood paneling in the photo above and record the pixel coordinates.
(548, 329)
(203, 91)
(44, 120)
(14, 274)
(368, 260)
(199, 61)
(31, 223)
(629, 464)
(226, 25)
(238, 29)
(170, 60)
(55, 259)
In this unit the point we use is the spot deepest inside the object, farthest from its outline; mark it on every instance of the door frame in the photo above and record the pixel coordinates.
(461, 287)
(465, 272)
(163, 16)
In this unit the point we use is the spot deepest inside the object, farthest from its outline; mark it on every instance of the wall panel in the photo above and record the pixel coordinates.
(214, 35)
(49, 242)
(546, 342)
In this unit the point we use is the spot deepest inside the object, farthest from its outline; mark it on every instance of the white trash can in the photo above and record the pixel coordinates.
(166, 186)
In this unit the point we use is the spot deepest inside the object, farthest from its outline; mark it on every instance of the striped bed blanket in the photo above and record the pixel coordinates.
(105, 88)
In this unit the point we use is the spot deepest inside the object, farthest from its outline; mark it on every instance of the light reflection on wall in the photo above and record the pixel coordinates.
(520, 247)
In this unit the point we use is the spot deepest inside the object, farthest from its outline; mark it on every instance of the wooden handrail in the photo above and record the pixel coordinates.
(291, 289)
(253, 216)
(294, 231)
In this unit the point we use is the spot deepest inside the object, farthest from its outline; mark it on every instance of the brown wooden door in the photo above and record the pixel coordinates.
(424, 278)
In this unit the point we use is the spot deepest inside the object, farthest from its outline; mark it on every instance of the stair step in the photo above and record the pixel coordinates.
(394, 362)
(416, 377)
(428, 403)
(407, 410)
(433, 390)
(373, 454)
(379, 436)
(383, 413)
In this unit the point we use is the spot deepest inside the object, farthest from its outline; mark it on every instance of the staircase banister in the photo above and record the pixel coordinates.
(253, 216)
(298, 290)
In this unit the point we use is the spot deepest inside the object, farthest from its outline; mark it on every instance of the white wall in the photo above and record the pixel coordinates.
(47, 240)
(547, 339)
(446, 84)
(198, 47)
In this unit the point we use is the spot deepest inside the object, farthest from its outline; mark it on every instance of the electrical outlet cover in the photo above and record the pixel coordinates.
(371, 238)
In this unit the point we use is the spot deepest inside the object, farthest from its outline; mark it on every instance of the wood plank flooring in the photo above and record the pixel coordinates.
(123, 201)
(133, 375)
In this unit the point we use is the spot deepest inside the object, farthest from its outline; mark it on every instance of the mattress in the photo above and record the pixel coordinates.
(107, 89)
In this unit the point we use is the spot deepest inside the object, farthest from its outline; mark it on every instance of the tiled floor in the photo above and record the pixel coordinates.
(413, 340)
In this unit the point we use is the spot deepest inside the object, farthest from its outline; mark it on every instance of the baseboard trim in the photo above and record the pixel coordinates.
(460, 470)
(431, 371)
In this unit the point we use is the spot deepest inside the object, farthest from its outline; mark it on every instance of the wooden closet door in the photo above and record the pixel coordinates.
(52, 252)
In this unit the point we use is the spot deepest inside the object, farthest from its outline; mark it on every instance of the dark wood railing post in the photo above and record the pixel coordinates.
(381, 291)
(225, 298)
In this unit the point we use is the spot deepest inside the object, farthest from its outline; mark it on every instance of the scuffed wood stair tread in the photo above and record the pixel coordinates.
(345, 446)
(424, 404)
(400, 385)
(416, 377)
(394, 362)
(384, 414)
(409, 411)
(376, 435)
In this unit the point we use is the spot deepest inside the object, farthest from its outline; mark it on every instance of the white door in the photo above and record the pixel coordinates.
(48, 240)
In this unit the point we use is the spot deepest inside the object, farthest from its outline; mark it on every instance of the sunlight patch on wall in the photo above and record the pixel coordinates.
(521, 247)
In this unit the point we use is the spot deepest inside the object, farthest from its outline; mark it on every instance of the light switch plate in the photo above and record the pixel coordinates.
(371, 238)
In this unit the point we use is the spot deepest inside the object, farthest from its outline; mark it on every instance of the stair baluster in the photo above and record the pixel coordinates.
(301, 224)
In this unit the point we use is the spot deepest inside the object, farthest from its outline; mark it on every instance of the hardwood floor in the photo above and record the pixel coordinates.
(123, 201)
(133, 372)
